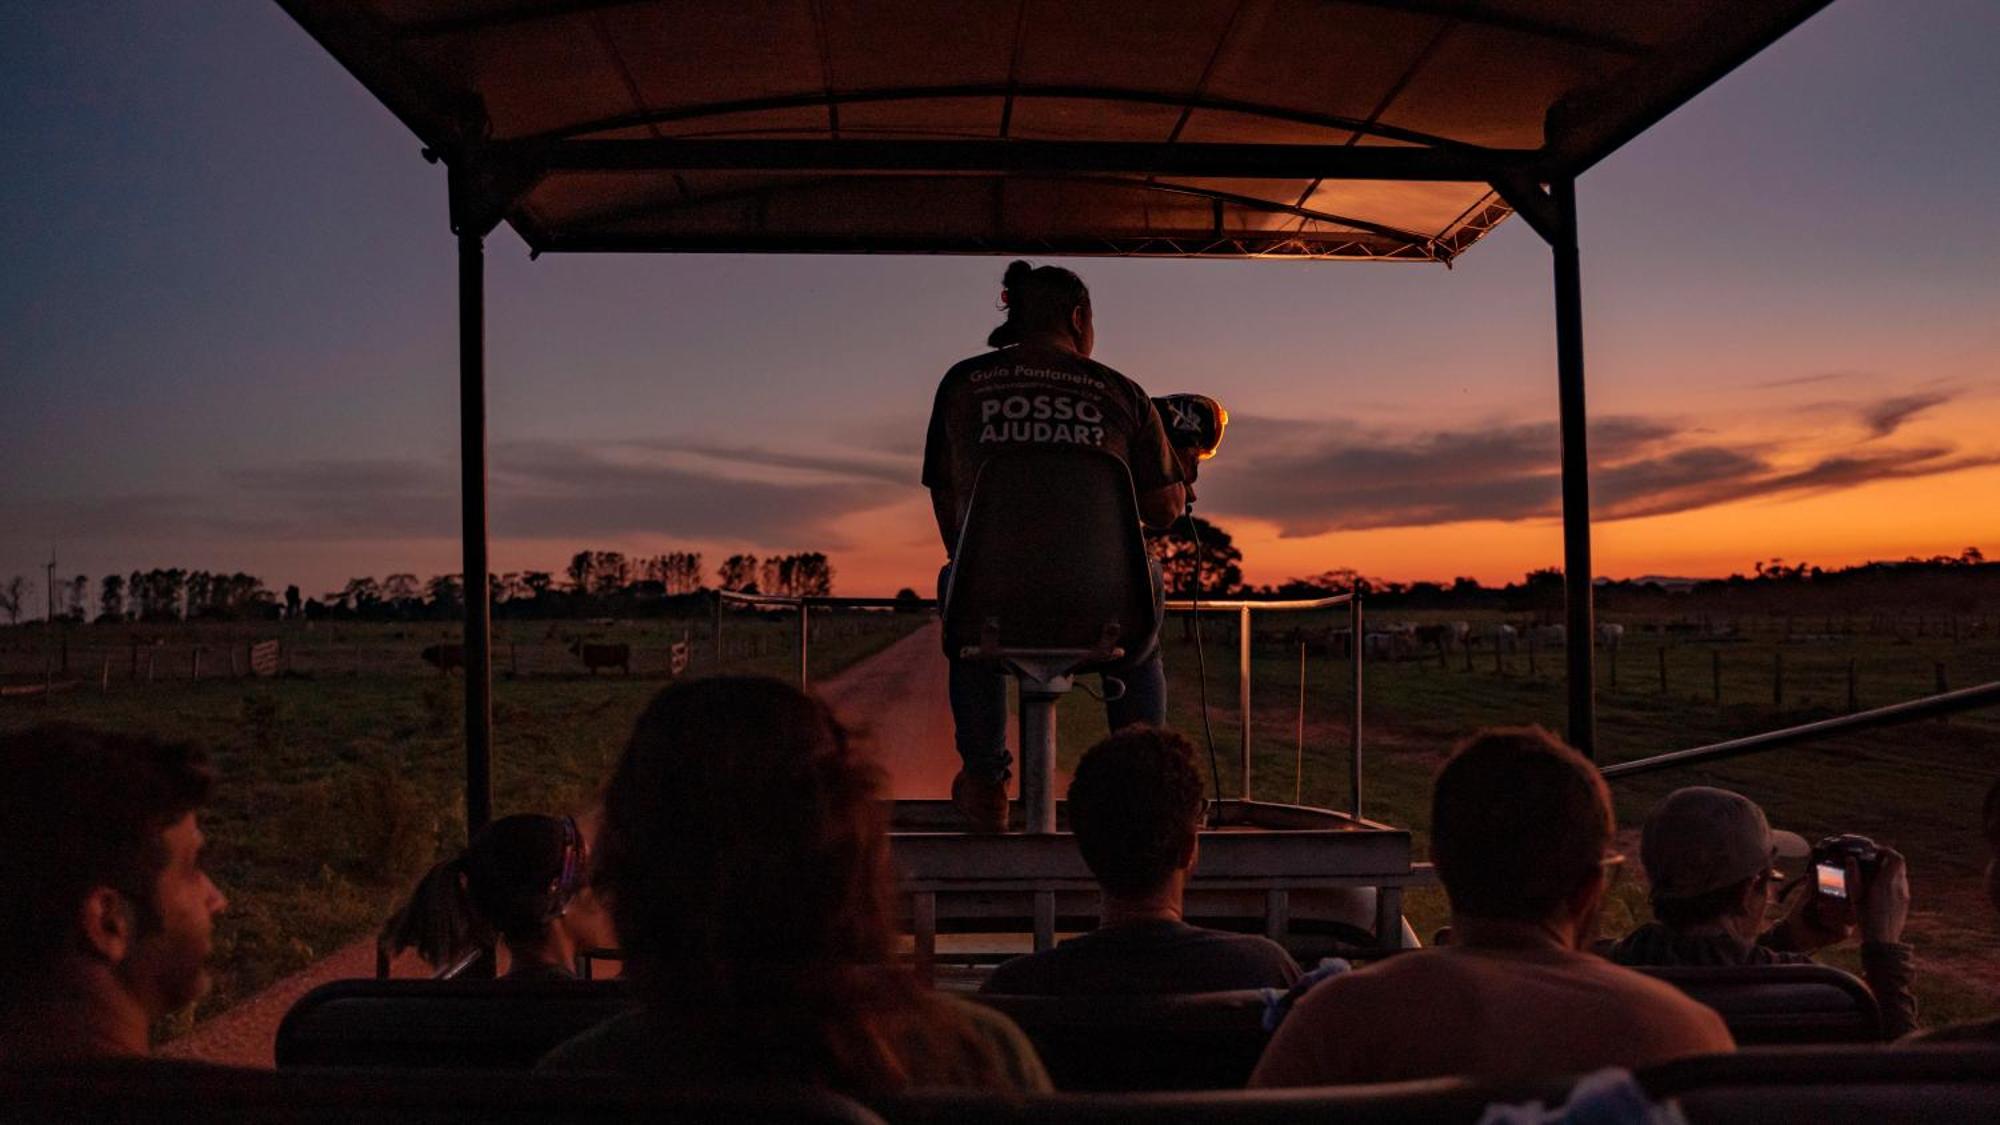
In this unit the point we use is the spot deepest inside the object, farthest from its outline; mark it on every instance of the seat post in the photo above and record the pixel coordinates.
(1038, 757)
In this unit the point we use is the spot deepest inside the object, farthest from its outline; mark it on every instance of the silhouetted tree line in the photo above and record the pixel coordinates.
(1962, 583)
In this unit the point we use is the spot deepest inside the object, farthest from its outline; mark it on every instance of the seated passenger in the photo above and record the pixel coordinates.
(1709, 856)
(520, 880)
(108, 914)
(1519, 827)
(1986, 1030)
(1135, 806)
(744, 858)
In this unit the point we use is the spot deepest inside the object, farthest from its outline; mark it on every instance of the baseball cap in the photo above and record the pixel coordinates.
(1700, 839)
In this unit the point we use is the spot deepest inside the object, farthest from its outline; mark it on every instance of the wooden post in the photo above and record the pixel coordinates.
(1715, 671)
(194, 664)
(1943, 685)
(1468, 651)
(65, 650)
(1531, 651)
(104, 678)
(233, 672)
(1778, 680)
(1498, 643)
(513, 660)
(1613, 662)
(1663, 669)
(1853, 687)
(135, 660)
(150, 654)
(718, 633)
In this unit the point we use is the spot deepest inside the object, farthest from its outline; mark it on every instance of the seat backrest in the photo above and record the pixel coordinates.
(1199, 1041)
(145, 1090)
(1781, 1004)
(1846, 1085)
(1052, 552)
(442, 1024)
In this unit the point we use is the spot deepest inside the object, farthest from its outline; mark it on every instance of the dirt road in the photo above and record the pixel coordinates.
(896, 698)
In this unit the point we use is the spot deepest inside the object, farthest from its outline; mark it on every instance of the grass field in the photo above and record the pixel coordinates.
(338, 784)
(1916, 787)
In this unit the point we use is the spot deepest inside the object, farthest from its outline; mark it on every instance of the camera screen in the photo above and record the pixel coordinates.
(1832, 880)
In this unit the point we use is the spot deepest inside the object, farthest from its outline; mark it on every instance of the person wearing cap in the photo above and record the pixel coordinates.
(1711, 862)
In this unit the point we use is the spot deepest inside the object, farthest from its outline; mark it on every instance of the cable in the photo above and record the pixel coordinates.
(1201, 662)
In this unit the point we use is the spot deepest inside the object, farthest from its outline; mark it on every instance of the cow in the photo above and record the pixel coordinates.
(1505, 637)
(1609, 634)
(1550, 636)
(444, 657)
(604, 656)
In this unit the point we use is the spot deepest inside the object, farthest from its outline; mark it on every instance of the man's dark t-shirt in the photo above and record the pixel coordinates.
(1147, 959)
(1030, 395)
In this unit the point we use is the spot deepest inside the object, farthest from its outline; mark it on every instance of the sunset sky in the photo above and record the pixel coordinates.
(227, 341)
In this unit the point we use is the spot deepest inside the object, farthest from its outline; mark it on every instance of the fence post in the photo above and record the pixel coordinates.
(718, 629)
(1853, 692)
(1663, 669)
(513, 660)
(1499, 642)
(150, 655)
(1613, 662)
(194, 664)
(1531, 651)
(135, 660)
(1943, 685)
(1715, 671)
(104, 677)
(1778, 680)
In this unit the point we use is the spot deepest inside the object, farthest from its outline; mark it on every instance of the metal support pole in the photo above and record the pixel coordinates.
(472, 499)
(1038, 761)
(1577, 574)
(1243, 691)
(1354, 735)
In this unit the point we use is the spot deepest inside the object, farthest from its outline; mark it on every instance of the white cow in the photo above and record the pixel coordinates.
(1506, 638)
(1609, 634)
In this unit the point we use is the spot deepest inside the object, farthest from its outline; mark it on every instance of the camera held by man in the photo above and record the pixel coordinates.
(1711, 860)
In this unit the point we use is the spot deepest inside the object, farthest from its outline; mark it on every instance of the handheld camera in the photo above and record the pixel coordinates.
(1829, 859)
(1193, 422)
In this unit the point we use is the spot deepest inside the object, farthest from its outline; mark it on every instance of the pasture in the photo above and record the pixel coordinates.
(1916, 787)
(339, 781)
(339, 778)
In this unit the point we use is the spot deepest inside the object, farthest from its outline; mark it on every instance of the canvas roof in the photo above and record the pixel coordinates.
(1368, 129)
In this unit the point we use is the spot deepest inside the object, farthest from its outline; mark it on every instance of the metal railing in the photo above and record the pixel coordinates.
(1242, 608)
(1357, 643)
(1929, 706)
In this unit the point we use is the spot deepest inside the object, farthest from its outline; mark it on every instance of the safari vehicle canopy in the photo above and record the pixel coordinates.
(1376, 130)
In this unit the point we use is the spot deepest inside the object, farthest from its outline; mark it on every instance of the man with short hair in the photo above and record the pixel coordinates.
(1709, 856)
(1520, 824)
(108, 913)
(1136, 805)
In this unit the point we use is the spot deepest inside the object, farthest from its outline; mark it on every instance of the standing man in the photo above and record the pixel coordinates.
(1041, 388)
(109, 914)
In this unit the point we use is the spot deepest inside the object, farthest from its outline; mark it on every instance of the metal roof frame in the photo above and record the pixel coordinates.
(488, 179)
